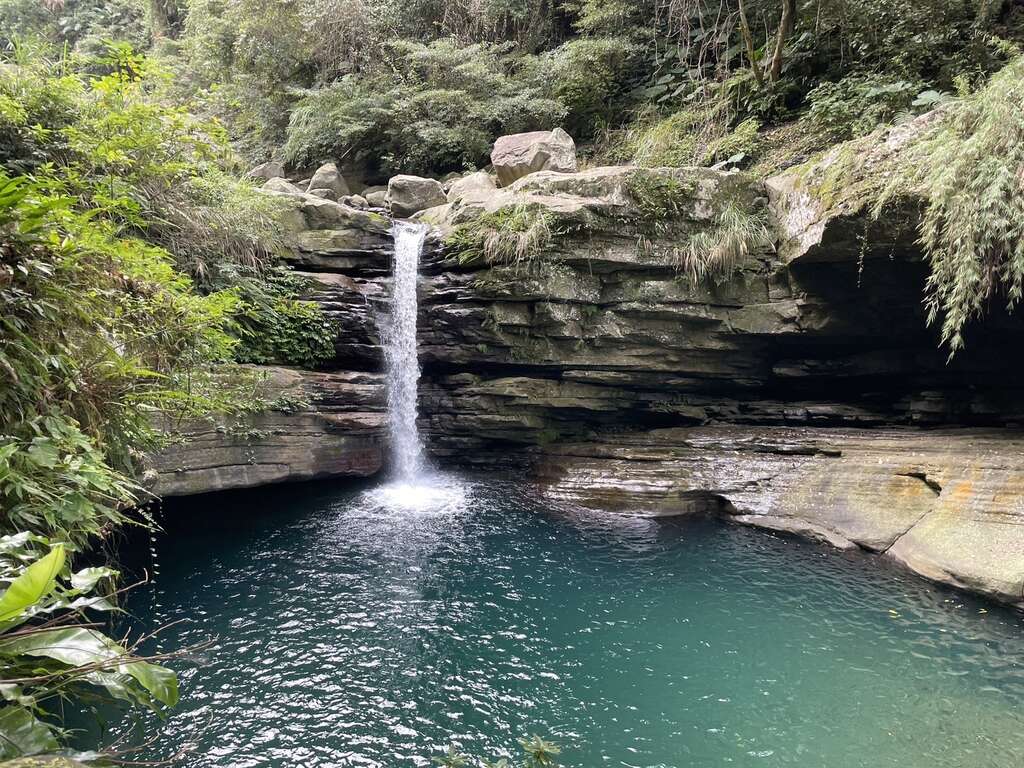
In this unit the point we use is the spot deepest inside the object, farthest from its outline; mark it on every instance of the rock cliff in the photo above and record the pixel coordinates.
(797, 389)
(312, 425)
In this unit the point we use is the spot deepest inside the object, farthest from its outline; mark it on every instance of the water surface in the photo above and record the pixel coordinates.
(347, 634)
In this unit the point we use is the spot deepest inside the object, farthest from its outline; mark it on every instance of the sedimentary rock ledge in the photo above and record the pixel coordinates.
(947, 504)
(315, 425)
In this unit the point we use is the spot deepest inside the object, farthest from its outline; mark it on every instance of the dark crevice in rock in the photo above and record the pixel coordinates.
(923, 477)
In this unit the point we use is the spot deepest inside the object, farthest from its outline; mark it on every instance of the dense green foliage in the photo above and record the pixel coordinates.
(438, 107)
(50, 654)
(129, 262)
(969, 170)
(275, 327)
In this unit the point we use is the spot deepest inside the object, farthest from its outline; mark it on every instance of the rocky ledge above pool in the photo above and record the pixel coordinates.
(947, 504)
(803, 392)
(312, 425)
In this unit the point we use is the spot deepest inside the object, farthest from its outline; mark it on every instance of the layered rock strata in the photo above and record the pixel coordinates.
(311, 425)
(948, 504)
(800, 390)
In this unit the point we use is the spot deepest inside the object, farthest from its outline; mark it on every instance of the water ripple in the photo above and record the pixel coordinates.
(374, 627)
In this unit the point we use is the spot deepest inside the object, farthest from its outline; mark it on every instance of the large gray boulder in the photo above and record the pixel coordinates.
(328, 176)
(473, 189)
(520, 154)
(277, 184)
(376, 198)
(271, 169)
(410, 194)
(324, 192)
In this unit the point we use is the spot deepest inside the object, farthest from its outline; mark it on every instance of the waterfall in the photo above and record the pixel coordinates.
(403, 367)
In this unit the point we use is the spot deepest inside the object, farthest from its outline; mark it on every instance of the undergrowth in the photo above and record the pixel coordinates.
(717, 252)
(964, 167)
(969, 170)
(513, 236)
(659, 199)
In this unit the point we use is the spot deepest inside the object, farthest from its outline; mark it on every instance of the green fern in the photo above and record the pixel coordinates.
(969, 169)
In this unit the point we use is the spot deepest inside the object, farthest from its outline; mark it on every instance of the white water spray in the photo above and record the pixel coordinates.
(403, 367)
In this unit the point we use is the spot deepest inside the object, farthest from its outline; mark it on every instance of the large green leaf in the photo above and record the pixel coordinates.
(33, 585)
(22, 733)
(79, 647)
(87, 578)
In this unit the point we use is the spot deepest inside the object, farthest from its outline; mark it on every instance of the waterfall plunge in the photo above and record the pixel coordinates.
(403, 367)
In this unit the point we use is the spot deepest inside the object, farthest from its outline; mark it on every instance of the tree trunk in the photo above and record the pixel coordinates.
(786, 25)
(165, 18)
(748, 41)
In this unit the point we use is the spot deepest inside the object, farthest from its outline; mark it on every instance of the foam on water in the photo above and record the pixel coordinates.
(425, 495)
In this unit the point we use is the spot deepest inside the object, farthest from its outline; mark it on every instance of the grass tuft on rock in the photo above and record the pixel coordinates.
(716, 253)
(514, 236)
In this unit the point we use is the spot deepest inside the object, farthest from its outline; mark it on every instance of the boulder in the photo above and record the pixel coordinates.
(376, 197)
(328, 176)
(475, 188)
(271, 169)
(324, 192)
(408, 194)
(520, 154)
(277, 184)
(321, 213)
(358, 201)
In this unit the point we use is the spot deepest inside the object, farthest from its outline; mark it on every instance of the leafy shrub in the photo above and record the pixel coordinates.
(77, 23)
(275, 327)
(856, 105)
(37, 105)
(439, 110)
(589, 76)
(154, 169)
(56, 480)
(969, 169)
(93, 324)
(50, 651)
(687, 137)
